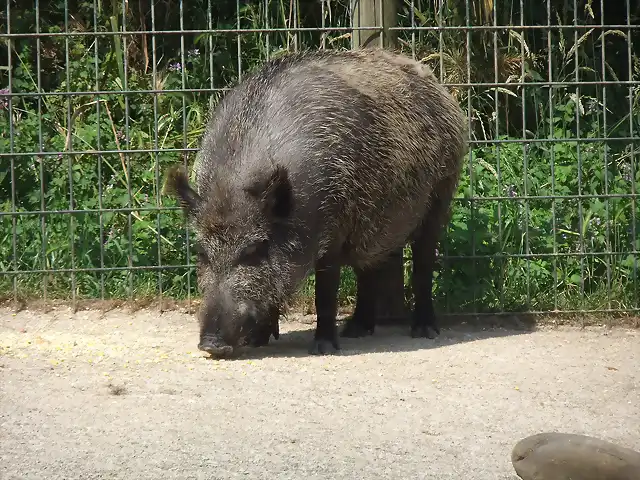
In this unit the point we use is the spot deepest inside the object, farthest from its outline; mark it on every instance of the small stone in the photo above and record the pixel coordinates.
(565, 456)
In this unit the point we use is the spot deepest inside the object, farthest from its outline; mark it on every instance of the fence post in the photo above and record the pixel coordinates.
(372, 13)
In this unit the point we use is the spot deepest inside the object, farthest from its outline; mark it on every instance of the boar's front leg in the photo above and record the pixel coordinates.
(327, 283)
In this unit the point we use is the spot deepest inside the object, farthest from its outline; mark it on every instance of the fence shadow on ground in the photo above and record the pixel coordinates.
(397, 338)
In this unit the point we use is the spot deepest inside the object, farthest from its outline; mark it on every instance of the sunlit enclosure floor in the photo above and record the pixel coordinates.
(125, 395)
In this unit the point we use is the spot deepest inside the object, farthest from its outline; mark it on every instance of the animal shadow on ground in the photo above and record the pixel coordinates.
(394, 338)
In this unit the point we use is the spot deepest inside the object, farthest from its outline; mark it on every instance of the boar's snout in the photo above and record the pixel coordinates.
(214, 345)
(226, 325)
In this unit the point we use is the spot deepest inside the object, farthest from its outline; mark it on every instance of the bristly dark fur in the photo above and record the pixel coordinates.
(275, 193)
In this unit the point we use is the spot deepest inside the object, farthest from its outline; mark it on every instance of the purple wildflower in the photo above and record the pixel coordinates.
(4, 101)
(193, 53)
(175, 67)
(511, 191)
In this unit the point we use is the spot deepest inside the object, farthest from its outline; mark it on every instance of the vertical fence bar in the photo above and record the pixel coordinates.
(440, 7)
(210, 28)
(12, 166)
(354, 13)
(267, 33)
(127, 133)
(552, 158)
(156, 157)
(525, 159)
(496, 78)
(96, 53)
(606, 157)
(441, 43)
(41, 158)
(632, 162)
(469, 126)
(323, 24)
(239, 40)
(187, 232)
(185, 127)
(70, 158)
(212, 86)
(296, 25)
(412, 12)
(381, 22)
(157, 164)
(579, 155)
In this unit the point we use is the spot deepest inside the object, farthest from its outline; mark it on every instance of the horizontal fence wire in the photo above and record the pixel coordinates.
(98, 99)
(223, 90)
(236, 31)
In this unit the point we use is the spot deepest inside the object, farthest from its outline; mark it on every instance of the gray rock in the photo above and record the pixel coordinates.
(565, 456)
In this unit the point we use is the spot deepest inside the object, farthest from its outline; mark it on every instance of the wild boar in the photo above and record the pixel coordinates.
(314, 161)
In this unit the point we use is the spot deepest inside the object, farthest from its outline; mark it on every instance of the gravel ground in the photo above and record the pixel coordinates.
(128, 396)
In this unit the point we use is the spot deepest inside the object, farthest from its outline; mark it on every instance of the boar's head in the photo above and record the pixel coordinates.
(245, 248)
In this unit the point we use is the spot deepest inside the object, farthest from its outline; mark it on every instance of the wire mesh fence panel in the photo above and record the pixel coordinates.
(98, 98)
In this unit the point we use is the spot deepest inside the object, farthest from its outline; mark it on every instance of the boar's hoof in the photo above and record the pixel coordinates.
(355, 328)
(320, 346)
(429, 331)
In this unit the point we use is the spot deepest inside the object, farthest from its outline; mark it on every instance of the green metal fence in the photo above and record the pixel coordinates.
(98, 98)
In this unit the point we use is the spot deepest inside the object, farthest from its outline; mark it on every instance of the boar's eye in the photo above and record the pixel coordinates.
(253, 253)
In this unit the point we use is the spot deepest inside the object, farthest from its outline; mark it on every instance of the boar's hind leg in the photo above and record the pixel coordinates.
(327, 283)
(362, 322)
(423, 249)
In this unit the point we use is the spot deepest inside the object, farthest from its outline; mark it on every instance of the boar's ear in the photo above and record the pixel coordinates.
(177, 183)
(275, 193)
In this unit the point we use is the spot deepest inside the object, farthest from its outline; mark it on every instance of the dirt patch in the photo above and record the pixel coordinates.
(126, 395)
